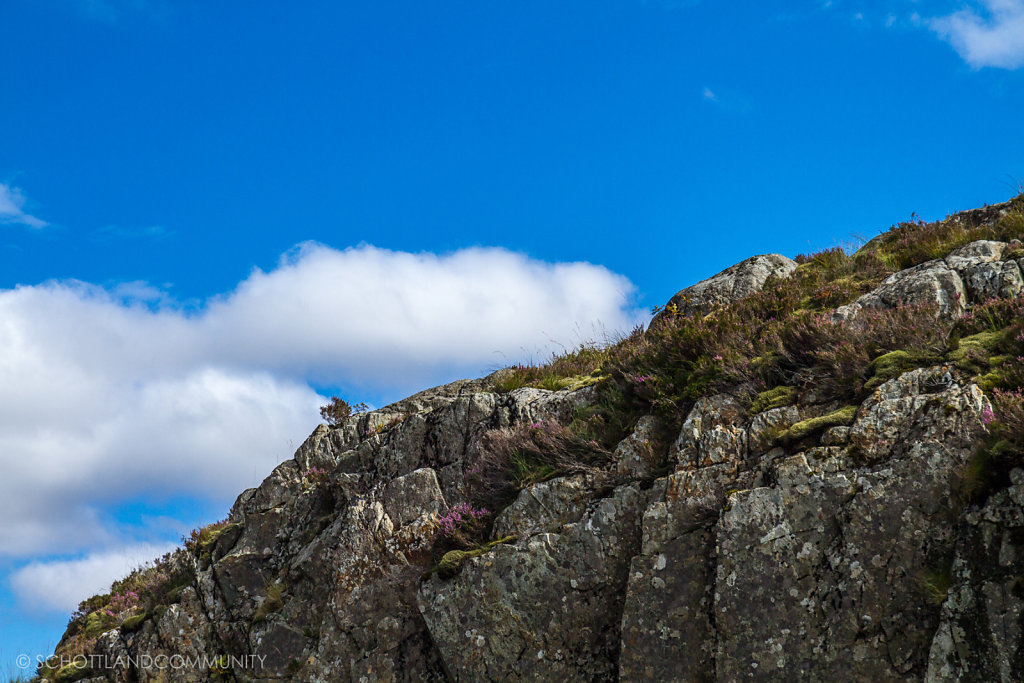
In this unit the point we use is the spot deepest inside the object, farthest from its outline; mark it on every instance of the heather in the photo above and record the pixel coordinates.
(511, 459)
(916, 241)
(779, 346)
(787, 336)
(783, 348)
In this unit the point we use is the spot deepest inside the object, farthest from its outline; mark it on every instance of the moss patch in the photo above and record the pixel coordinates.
(773, 398)
(991, 380)
(96, 623)
(842, 417)
(453, 560)
(976, 353)
(895, 363)
(132, 624)
(72, 672)
(983, 341)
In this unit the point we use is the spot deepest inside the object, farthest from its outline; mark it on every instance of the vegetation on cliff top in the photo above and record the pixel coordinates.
(783, 342)
(777, 347)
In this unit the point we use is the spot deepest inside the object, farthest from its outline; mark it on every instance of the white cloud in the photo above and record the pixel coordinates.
(111, 394)
(727, 100)
(991, 37)
(12, 203)
(60, 585)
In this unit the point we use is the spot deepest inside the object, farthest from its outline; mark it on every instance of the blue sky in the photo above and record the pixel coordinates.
(214, 214)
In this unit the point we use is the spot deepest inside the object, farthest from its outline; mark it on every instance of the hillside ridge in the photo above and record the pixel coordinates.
(803, 468)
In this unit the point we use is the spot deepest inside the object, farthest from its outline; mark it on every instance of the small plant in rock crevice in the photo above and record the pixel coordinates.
(338, 410)
(313, 477)
(460, 518)
(936, 582)
(511, 459)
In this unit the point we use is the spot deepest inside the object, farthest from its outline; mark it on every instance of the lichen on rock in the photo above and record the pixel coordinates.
(772, 526)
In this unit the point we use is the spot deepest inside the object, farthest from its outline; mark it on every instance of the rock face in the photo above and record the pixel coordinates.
(718, 556)
(735, 282)
(974, 272)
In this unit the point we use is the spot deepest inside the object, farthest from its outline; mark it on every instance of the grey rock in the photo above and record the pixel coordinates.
(932, 283)
(980, 635)
(970, 274)
(989, 280)
(730, 556)
(547, 609)
(637, 455)
(413, 495)
(545, 506)
(711, 434)
(735, 282)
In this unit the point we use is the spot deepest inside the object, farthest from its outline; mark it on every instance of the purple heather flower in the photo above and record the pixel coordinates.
(458, 515)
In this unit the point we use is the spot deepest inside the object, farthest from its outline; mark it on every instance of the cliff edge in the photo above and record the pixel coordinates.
(804, 469)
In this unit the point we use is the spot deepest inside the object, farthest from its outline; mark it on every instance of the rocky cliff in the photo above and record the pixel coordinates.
(804, 470)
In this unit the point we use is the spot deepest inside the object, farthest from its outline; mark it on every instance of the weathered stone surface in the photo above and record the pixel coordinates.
(766, 426)
(931, 283)
(921, 405)
(988, 280)
(737, 555)
(546, 506)
(980, 636)
(711, 433)
(547, 608)
(735, 282)
(637, 455)
(970, 274)
(412, 495)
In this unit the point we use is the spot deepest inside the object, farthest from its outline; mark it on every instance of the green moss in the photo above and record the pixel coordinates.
(96, 623)
(976, 353)
(841, 417)
(984, 341)
(452, 561)
(773, 398)
(132, 624)
(895, 363)
(72, 672)
(991, 380)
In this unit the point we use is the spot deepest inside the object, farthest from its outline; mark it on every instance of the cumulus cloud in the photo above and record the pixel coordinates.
(396, 319)
(992, 36)
(12, 203)
(108, 394)
(61, 584)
